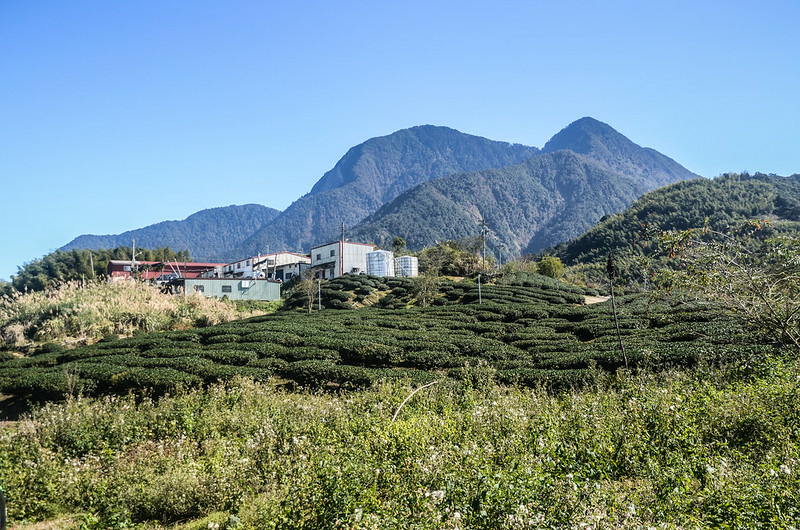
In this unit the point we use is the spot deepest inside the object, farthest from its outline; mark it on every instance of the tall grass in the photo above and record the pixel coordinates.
(71, 312)
(679, 450)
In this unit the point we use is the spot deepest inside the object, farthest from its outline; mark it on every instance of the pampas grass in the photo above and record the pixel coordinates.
(73, 313)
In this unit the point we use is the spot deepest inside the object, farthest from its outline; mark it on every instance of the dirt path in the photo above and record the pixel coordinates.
(595, 299)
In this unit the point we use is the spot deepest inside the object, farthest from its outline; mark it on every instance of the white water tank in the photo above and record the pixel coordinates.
(380, 263)
(407, 266)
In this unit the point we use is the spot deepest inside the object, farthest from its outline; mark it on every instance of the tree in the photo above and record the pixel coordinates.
(425, 289)
(451, 258)
(309, 286)
(759, 278)
(398, 245)
(551, 266)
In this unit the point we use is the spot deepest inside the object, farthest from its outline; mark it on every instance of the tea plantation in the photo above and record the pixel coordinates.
(536, 332)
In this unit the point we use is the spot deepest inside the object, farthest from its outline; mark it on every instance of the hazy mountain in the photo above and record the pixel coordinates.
(374, 172)
(204, 234)
(588, 170)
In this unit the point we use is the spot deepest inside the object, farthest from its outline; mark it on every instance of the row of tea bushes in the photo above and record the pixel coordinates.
(534, 343)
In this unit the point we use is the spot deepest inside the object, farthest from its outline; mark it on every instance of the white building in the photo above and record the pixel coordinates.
(277, 266)
(340, 257)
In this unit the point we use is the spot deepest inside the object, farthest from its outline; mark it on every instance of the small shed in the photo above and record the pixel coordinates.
(233, 288)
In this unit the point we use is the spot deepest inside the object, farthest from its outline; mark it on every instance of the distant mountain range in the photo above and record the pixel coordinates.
(373, 173)
(428, 184)
(202, 233)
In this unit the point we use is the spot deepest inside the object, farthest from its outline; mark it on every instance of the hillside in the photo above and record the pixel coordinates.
(203, 233)
(373, 173)
(723, 201)
(552, 197)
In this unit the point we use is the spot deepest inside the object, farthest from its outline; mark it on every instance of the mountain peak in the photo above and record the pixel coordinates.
(583, 135)
(614, 151)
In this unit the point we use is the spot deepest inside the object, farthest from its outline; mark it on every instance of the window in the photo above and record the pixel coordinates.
(239, 265)
(319, 257)
(248, 263)
(199, 288)
(333, 253)
(226, 289)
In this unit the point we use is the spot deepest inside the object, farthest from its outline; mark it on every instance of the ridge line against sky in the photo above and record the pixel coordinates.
(119, 115)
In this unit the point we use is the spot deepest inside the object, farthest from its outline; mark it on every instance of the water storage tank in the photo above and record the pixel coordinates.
(407, 266)
(380, 263)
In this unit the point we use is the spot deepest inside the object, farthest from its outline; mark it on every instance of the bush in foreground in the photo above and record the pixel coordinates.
(676, 450)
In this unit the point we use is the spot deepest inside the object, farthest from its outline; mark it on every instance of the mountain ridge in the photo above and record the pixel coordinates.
(374, 172)
(227, 223)
(586, 171)
(378, 171)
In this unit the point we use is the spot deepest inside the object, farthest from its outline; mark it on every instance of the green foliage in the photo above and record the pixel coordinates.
(551, 267)
(758, 279)
(677, 450)
(75, 265)
(451, 258)
(722, 204)
(534, 333)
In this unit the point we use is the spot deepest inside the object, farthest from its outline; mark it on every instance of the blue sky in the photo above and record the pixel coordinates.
(116, 115)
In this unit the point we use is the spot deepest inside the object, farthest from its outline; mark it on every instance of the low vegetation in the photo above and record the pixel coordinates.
(675, 450)
(415, 402)
(75, 313)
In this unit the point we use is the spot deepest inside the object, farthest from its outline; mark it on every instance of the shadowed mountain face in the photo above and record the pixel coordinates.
(373, 173)
(586, 171)
(202, 233)
(546, 198)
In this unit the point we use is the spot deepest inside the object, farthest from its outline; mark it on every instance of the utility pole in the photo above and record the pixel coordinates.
(611, 269)
(483, 236)
(480, 297)
(342, 232)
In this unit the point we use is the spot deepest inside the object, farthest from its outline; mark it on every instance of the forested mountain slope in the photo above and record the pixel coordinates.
(203, 234)
(374, 172)
(520, 203)
(613, 151)
(547, 199)
(724, 201)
